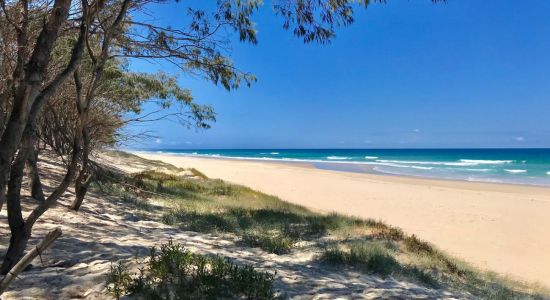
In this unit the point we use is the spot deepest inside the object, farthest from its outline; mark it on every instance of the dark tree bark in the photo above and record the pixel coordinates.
(2, 197)
(29, 108)
(34, 176)
(20, 228)
(81, 188)
(83, 179)
(29, 87)
(19, 231)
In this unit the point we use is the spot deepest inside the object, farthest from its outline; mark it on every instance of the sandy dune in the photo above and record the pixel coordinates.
(503, 228)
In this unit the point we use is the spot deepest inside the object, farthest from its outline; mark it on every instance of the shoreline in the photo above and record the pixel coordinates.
(497, 227)
(365, 169)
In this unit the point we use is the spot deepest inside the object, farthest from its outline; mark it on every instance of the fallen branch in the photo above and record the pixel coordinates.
(27, 259)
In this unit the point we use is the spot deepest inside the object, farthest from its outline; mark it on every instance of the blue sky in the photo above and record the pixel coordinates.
(407, 74)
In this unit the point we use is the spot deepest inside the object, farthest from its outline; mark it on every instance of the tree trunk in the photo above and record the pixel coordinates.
(18, 242)
(19, 231)
(84, 177)
(28, 101)
(27, 259)
(35, 183)
(29, 87)
(2, 197)
(81, 188)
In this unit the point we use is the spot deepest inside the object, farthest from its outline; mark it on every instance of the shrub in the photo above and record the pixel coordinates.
(372, 257)
(272, 243)
(198, 173)
(415, 245)
(174, 273)
(118, 279)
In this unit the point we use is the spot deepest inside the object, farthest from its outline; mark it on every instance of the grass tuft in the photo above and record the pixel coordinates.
(369, 256)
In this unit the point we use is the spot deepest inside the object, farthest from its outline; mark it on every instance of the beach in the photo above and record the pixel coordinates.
(497, 227)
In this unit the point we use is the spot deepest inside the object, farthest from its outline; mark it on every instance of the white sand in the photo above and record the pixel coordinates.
(503, 228)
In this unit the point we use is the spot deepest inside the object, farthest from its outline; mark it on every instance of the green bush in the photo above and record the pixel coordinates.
(270, 242)
(174, 273)
(118, 279)
(415, 245)
(371, 257)
(374, 257)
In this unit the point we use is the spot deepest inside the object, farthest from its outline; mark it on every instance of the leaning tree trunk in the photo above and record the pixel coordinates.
(81, 188)
(83, 179)
(20, 228)
(20, 232)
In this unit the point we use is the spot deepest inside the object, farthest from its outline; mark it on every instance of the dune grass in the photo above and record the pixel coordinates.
(199, 204)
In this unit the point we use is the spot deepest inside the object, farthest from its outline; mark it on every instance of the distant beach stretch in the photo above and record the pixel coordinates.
(516, 166)
(499, 227)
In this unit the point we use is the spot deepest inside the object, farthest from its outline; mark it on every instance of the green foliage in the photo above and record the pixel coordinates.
(172, 272)
(198, 173)
(372, 257)
(118, 279)
(415, 245)
(123, 193)
(271, 242)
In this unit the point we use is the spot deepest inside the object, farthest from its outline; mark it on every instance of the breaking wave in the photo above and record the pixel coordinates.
(514, 171)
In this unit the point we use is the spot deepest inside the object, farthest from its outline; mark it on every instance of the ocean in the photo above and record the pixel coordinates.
(515, 166)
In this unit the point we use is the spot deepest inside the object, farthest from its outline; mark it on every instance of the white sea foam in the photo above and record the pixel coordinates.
(371, 157)
(421, 168)
(337, 157)
(548, 173)
(274, 153)
(439, 163)
(515, 171)
(479, 170)
(486, 162)
(491, 180)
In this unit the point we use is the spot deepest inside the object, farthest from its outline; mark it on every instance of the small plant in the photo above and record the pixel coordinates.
(272, 243)
(415, 245)
(197, 173)
(389, 233)
(174, 273)
(372, 257)
(118, 279)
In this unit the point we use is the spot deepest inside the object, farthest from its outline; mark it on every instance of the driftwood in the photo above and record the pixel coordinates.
(26, 260)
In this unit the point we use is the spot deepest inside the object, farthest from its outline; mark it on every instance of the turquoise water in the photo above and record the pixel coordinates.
(518, 166)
